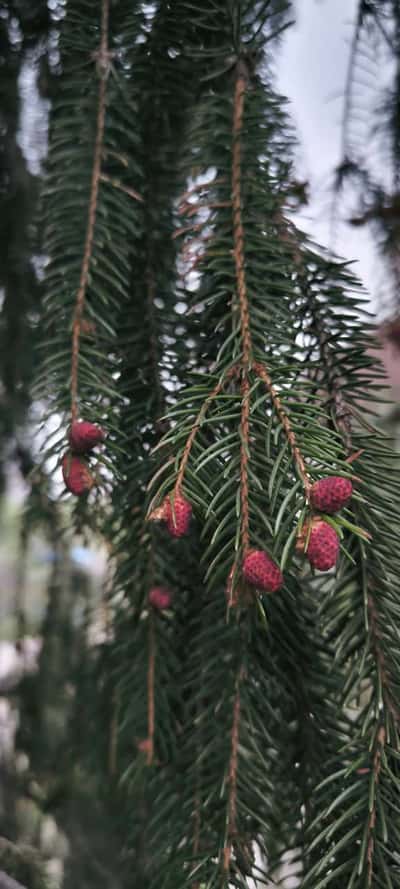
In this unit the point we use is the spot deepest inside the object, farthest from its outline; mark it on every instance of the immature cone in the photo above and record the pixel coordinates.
(160, 598)
(177, 515)
(323, 547)
(84, 436)
(331, 494)
(76, 474)
(262, 572)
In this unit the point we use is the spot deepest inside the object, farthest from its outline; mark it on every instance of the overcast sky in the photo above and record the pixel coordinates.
(312, 72)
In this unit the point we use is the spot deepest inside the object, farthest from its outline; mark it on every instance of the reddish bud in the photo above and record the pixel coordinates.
(323, 546)
(76, 474)
(262, 572)
(331, 494)
(160, 598)
(84, 436)
(177, 513)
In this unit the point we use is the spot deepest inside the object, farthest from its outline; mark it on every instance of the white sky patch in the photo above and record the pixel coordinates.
(311, 72)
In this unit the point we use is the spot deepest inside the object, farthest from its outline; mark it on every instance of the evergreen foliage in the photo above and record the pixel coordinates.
(229, 360)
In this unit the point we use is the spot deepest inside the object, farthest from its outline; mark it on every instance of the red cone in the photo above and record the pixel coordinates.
(323, 547)
(260, 570)
(160, 598)
(177, 515)
(76, 474)
(331, 494)
(84, 436)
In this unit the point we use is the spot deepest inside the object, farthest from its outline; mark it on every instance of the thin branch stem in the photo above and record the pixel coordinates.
(200, 186)
(191, 209)
(341, 410)
(150, 691)
(244, 459)
(238, 230)
(379, 746)
(102, 68)
(232, 775)
(263, 374)
(198, 421)
(116, 183)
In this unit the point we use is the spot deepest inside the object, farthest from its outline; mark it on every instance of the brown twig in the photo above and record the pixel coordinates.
(102, 69)
(379, 746)
(244, 473)
(150, 691)
(238, 230)
(232, 775)
(116, 183)
(196, 426)
(263, 374)
(201, 186)
(191, 209)
(239, 257)
(194, 227)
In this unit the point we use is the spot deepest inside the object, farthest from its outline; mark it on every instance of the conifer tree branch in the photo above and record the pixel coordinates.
(102, 69)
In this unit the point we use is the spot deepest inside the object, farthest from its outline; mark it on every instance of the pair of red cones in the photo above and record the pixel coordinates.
(82, 437)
